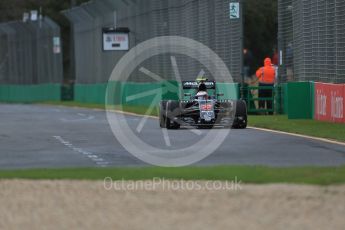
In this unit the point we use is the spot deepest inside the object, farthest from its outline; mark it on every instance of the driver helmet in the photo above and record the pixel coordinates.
(202, 92)
(202, 87)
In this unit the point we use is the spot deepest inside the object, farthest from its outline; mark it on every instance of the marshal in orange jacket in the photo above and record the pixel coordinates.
(267, 73)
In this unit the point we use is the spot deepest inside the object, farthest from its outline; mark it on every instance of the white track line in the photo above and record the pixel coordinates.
(97, 160)
(166, 137)
(131, 114)
(300, 135)
(76, 120)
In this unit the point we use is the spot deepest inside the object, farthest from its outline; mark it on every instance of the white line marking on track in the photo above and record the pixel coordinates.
(300, 135)
(76, 120)
(92, 156)
(166, 137)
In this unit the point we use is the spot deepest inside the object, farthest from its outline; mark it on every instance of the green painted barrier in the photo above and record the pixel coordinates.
(90, 93)
(285, 99)
(30, 93)
(230, 90)
(67, 92)
(300, 99)
(145, 94)
(281, 99)
(141, 94)
(129, 93)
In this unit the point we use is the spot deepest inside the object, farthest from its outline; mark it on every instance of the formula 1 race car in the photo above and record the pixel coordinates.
(202, 109)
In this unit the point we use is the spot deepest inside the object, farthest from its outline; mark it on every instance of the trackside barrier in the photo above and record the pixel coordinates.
(300, 100)
(279, 99)
(230, 90)
(90, 93)
(284, 98)
(329, 102)
(253, 101)
(30, 93)
(141, 94)
(128, 93)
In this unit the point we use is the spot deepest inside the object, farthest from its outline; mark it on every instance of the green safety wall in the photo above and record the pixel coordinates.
(298, 97)
(30, 93)
(300, 100)
(93, 93)
(285, 98)
(124, 92)
(230, 90)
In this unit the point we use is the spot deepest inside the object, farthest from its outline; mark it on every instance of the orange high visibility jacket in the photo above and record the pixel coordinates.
(267, 73)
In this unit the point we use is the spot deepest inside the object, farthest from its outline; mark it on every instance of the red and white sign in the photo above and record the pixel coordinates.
(329, 102)
(115, 41)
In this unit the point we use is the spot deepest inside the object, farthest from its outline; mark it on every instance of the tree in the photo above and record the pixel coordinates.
(260, 28)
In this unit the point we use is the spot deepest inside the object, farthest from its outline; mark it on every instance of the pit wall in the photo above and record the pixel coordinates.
(30, 93)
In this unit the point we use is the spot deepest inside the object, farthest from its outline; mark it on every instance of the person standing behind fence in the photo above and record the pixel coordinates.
(266, 77)
(247, 62)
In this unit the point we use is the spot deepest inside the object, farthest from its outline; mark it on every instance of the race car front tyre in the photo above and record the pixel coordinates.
(172, 112)
(231, 117)
(241, 118)
(162, 112)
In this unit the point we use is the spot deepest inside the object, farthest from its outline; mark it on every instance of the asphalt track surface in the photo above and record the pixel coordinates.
(40, 136)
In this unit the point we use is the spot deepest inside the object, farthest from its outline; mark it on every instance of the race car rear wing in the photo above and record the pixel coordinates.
(195, 85)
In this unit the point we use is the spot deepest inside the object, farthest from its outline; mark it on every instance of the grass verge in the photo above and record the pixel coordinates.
(313, 128)
(246, 174)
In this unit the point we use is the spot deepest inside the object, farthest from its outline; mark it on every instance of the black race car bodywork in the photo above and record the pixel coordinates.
(202, 112)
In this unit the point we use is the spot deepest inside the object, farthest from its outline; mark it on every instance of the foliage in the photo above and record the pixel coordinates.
(260, 29)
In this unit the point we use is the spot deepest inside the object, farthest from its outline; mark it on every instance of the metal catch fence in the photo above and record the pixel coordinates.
(30, 52)
(205, 21)
(312, 40)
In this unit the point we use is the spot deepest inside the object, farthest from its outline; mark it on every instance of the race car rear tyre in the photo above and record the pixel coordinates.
(172, 111)
(162, 112)
(240, 121)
